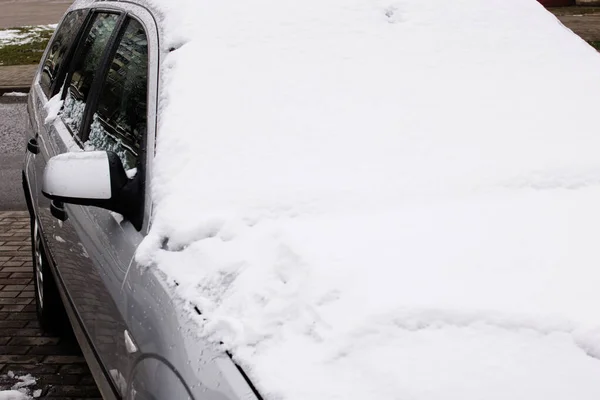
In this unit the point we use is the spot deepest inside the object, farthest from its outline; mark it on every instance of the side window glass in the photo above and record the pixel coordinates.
(119, 123)
(59, 49)
(83, 73)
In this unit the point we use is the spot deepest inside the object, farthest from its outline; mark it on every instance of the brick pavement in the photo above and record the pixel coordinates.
(16, 77)
(56, 363)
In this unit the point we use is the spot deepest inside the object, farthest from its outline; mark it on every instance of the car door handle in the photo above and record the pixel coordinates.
(57, 209)
(33, 146)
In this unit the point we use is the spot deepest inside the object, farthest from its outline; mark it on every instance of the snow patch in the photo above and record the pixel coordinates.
(15, 94)
(20, 390)
(53, 107)
(13, 395)
(390, 199)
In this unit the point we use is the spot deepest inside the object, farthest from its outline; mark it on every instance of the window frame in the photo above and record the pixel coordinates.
(64, 67)
(102, 68)
(100, 82)
(155, 54)
(139, 181)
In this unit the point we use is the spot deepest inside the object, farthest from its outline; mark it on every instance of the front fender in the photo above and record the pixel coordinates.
(154, 379)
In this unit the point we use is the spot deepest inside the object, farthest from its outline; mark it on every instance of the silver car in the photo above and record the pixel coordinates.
(92, 127)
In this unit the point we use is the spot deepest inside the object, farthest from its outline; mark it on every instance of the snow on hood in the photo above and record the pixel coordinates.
(384, 199)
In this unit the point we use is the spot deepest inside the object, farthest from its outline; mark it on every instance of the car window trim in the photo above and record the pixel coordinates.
(150, 25)
(79, 54)
(98, 83)
(62, 72)
(92, 105)
(100, 78)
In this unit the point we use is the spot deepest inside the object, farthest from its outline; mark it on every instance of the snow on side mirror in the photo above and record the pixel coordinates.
(93, 178)
(75, 177)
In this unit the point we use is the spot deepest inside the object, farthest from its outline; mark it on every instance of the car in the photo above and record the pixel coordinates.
(316, 200)
(102, 66)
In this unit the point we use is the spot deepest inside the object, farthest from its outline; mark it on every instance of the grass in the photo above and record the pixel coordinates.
(595, 44)
(24, 45)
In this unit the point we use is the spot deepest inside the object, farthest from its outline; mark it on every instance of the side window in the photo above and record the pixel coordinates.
(88, 62)
(60, 48)
(119, 123)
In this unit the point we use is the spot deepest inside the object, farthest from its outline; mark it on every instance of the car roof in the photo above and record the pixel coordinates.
(148, 5)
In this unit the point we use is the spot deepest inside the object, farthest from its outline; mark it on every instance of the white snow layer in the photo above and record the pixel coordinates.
(13, 395)
(374, 199)
(23, 35)
(53, 107)
(20, 390)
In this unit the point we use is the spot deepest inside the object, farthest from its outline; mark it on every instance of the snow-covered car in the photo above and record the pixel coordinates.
(320, 199)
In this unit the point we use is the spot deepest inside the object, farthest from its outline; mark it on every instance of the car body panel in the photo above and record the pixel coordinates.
(127, 314)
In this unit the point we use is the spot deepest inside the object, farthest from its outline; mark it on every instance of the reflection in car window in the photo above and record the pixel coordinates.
(84, 72)
(65, 35)
(119, 123)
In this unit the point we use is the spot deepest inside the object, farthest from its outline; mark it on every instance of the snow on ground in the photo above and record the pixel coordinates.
(13, 395)
(384, 199)
(15, 94)
(21, 389)
(23, 35)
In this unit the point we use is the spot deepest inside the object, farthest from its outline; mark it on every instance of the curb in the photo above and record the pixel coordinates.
(9, 89)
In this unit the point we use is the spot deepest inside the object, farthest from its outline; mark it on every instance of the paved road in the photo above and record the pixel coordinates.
(12, 148)
(55, 362)
(31, 12)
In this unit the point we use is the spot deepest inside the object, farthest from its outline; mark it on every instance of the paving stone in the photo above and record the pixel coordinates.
(72, 391)
(28, 316)
(64, 359)
(16, 350)
(14, 275)
(33, 369)
(24, 348)
(22, 332)
(77, 369)
(15, 269)
(34, 341)
(13, 324)
(57, 379)
(12, 264)
(12, 288)
(33, 324)
(13, 307)
(18, 281)
(30, 307)
(4, 301)
(20, 359)
(46, 350)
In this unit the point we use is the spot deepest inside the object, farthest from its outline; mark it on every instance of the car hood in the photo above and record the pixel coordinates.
(383, 199)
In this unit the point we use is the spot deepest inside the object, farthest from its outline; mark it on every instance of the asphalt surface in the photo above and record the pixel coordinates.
(12, 149)
(31, 12)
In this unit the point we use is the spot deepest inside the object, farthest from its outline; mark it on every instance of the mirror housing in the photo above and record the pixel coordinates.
(94, 178)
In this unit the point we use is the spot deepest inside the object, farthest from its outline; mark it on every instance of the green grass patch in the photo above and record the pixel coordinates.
(595, 44)
(23, 45)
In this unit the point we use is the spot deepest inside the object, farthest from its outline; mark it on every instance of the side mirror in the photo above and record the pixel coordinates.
(94, 178)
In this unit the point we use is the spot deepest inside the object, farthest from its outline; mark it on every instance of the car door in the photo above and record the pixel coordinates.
(48, 77)
(118, 123)
(74, 233)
